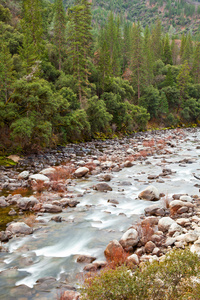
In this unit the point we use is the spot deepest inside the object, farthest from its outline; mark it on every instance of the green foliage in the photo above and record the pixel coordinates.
(168, 279)
(150, 100)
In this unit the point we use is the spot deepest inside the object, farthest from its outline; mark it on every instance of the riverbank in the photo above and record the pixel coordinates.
(92, 189)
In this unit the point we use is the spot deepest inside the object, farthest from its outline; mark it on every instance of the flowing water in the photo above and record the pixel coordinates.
(51, 251)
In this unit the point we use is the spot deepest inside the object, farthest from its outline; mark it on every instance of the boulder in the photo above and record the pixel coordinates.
(195, 248)
(39, 177)
(129, 238)
(175, 228)
(128, 164)
(186, 198)
(151, 221)
(133, 259)
(48, 171)
(3, 202)
(85, 259)
(26, 203)
(23, 175)
(80, 172)
(150, 193)
(149, 247)
(105, 177)
(69, 202)
(165, 223)
(114, 248)
(19, 227)
(155, 210)
(102, 187)
(189, 237)
(50, 208)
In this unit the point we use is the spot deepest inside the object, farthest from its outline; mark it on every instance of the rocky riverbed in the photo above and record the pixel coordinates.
(72, 204)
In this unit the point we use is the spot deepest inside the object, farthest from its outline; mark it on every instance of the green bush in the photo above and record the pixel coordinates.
(168, 279)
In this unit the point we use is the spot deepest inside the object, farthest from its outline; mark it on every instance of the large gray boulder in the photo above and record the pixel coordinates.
(102, 187)
(150, 193)
(155, 210)
(23, 175)
(19, 228)
(50, 208)
(26, 203)
(130, 238)
(165, 223)
(80, 172)
(39, 177)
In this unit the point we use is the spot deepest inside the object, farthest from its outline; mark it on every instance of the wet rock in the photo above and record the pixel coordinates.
(85, 259)
(129, 238)
(39, 177)
(125, 183)
(80, 172)
(90, 268)
(4, 237)
(69, 202)
(102, 187)
(105, 177)
(57, 219)
(100, 264)
(165, 223)
(50, 208)
(113, 201)
(114, 248)
(150, 193)
(152, 177)
(19, 227)
(128, 164)
(24, 175)
(186, 198)
(155, 210)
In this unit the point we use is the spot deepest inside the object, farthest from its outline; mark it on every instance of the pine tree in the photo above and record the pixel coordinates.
(137, 59)
(175, 52)
(157, 40)
(148, 56)
(6, 72)
(167, 53)
(196, 64)
(32, 48)
(79, 41)
(60, 30)
(183, 79)
(182, 48)
(126, 44)
(188, 50)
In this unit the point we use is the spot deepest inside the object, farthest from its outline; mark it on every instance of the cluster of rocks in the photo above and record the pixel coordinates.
(161, 229)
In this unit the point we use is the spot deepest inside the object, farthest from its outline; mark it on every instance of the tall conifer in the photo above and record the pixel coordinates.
(60, 30)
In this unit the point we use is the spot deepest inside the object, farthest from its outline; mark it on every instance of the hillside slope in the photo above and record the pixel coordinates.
(177, 16)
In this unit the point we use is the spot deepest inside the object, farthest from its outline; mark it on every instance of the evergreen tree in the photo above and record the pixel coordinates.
(31, 50)
(156, 40)
(167, 53)
(182, 48)
(6, 72)
(175, 52)
(137, 59)
(60, 30)
(148, 56)
(188, 50)
(183, 79)
(169, 78)
(79, 41)
(126, 44)
(196, 64)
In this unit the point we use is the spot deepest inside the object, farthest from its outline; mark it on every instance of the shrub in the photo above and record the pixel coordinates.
(172, 278)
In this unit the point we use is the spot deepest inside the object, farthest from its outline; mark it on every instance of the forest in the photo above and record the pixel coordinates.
(66, 78)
